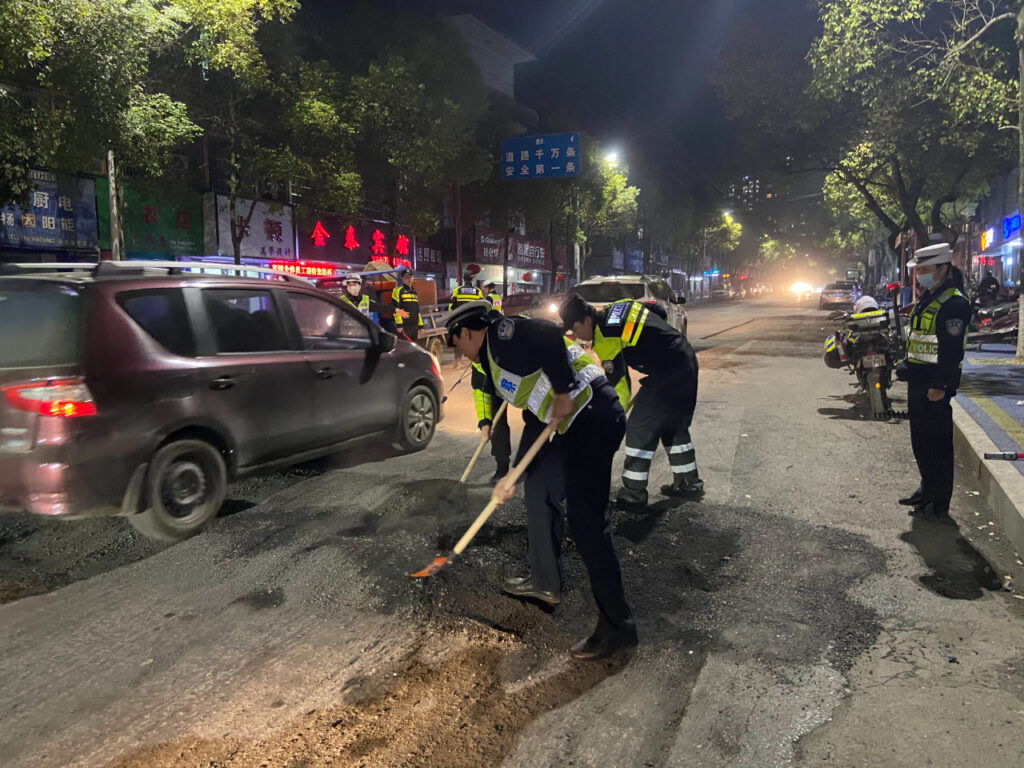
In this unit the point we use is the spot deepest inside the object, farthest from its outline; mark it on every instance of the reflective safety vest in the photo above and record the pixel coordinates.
(607, 348)
(402, 295)
(923, 342)
(481, 400)
(363, 305)
(464, 293)
(495, 300)
(534, 392)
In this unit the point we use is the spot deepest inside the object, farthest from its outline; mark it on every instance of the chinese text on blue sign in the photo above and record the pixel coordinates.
(547, 156)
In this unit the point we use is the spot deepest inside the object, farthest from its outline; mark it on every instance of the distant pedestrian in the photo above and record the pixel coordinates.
(935, 353)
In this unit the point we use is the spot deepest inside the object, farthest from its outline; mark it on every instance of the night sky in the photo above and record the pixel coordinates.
(636, 74)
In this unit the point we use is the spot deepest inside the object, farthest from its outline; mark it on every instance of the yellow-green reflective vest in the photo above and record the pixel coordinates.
(363, 305)
(607, 348)
(923, 342)
(481, 400)
(495, 300)
(534, 392)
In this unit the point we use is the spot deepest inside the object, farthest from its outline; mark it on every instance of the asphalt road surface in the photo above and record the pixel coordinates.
(794, 617)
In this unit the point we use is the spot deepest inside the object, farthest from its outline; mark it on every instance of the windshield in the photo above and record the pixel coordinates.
(839, 287)
(40, 325)
(598, 293)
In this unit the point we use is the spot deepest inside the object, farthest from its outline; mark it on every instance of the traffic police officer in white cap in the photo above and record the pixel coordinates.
(935, 353)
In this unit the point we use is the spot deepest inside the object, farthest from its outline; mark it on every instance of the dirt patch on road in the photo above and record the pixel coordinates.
(453, 707)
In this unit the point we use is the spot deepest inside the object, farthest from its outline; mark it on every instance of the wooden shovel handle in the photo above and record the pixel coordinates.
(483, 441)
(512, 478)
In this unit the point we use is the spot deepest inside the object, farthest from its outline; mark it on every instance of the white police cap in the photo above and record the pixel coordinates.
(933, 254)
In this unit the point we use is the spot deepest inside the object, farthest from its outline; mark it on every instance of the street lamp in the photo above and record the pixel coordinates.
(612, 158)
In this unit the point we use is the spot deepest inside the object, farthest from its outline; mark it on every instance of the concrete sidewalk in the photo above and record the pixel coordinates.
(988, 417)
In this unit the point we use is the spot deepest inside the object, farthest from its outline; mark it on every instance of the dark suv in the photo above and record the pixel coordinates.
(142, 390)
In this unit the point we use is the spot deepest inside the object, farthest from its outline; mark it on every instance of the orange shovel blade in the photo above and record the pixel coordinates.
(435, 565)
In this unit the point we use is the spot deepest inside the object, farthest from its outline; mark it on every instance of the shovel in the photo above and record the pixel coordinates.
(483, 441)
(513, 476)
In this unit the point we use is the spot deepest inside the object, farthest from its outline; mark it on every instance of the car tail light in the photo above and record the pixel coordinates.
(65, 398)
(984, 321)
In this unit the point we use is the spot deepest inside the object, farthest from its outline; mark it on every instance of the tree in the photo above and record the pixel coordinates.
(418, 105)
(74, 83)
(867, 109)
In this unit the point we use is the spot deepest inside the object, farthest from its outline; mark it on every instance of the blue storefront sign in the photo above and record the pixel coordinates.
(60, 215)
(1011, 226)
(545, 156)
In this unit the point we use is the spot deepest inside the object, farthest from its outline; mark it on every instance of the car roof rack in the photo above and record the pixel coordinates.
(139, 268)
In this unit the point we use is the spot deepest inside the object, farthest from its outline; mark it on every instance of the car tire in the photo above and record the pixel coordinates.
(417, 420)
(184, 490)
(435, 347)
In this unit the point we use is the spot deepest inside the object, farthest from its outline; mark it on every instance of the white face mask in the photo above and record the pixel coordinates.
(353, 289)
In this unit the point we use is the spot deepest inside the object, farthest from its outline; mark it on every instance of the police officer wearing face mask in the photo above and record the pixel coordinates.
(366, 305)
(935, 352)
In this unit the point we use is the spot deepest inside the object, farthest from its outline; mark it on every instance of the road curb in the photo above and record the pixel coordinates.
(1000, 482)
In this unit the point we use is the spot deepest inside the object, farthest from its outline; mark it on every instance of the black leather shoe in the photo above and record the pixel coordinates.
(499, 473)
(684, 490)
(923, 510)
(523, 587)
(627, 498)
(913, 500)
(601, 645)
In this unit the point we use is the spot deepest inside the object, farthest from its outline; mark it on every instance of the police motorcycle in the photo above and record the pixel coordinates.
(870, 346)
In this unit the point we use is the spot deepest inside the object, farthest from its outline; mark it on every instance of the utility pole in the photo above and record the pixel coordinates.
(115, 217)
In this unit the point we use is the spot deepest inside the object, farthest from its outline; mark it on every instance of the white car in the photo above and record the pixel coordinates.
(602, 291)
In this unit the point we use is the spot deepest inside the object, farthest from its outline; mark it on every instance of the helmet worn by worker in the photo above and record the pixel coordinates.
(864, 304)
(352, 277)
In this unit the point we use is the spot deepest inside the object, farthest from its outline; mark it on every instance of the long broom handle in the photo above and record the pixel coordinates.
(512, 478)
(483, 441)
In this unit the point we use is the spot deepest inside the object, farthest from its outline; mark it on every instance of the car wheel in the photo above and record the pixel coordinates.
(417, 420)
(185, 487)
(435, 347)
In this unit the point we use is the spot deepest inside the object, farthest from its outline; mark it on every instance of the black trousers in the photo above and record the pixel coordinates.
(501, 437)
(575, 469)
(413, 332)
(931, 436)
(662, 412)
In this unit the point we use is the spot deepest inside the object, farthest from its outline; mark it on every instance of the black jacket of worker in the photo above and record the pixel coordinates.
(527, 362)
(405, 297)
(935, 352)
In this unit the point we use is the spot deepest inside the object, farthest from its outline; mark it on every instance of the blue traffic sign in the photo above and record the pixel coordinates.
(544, 156)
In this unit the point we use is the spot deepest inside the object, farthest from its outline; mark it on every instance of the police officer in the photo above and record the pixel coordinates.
(935, 353)
(492, 295)
(630, 334)
(354, 296)
(466, 292)
(533, 366)
(404, 297)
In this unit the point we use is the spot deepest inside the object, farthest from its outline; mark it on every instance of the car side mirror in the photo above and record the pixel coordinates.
(680, 300)
(385, 342)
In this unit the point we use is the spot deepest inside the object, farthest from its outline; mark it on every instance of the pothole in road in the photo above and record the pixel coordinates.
(456, 711)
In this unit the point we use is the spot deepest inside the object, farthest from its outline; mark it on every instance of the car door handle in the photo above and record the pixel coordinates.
(325, 373)
(223, 382)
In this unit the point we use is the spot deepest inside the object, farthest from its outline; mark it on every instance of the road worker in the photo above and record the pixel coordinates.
(534, 367)
(630, 334)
